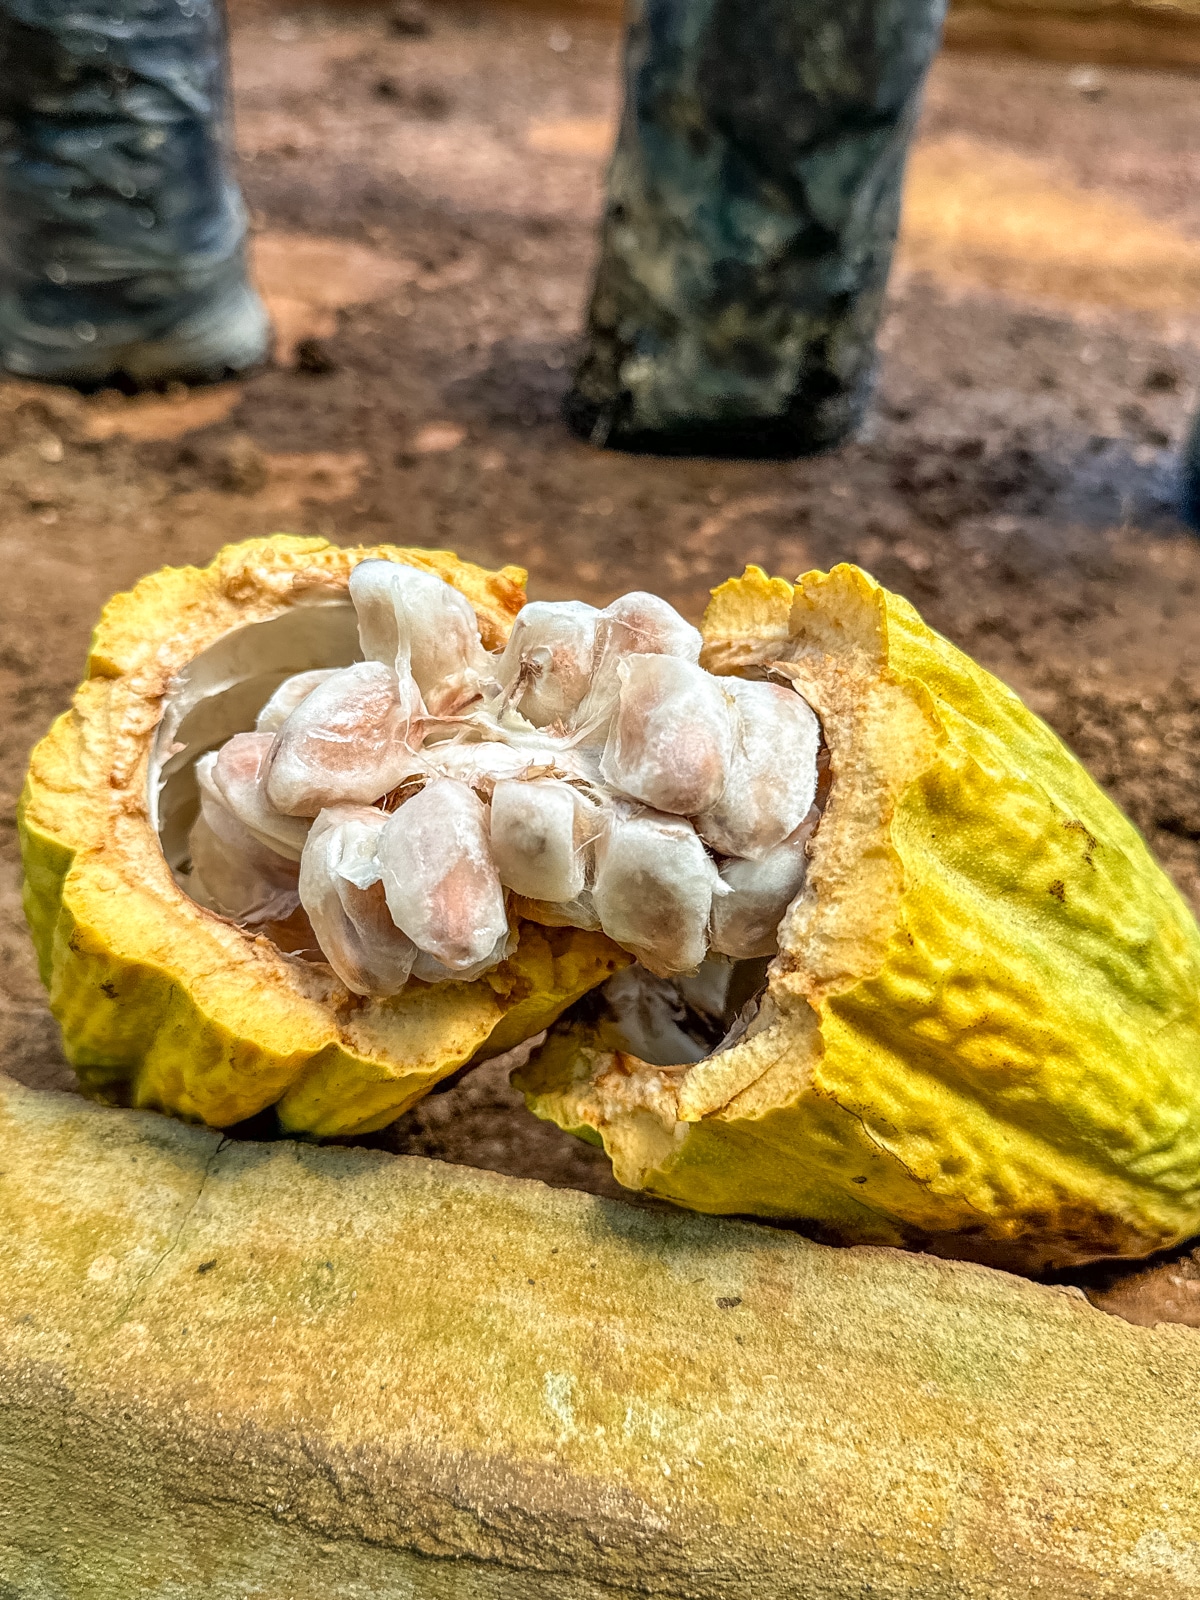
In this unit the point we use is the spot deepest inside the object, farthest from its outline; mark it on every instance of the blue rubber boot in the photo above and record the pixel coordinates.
(122, 232)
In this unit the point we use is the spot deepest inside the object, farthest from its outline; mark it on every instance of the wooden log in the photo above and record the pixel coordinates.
(231, 1369)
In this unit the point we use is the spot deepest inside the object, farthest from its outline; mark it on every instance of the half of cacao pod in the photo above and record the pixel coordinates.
(166, 1004)
(981, 1033)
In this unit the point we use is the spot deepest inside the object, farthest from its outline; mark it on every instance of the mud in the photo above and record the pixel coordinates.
(424, 205)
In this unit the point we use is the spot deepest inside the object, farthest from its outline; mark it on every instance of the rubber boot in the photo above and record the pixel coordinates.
(752, 208)
(122, 232)
(1189, 504)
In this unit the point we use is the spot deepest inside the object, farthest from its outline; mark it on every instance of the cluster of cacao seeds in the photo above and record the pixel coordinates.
(592, 775)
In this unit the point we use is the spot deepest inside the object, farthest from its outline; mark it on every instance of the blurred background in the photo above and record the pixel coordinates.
(424, 182)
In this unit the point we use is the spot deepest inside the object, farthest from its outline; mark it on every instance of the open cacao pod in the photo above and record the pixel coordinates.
(835, 929)
(169, 1004)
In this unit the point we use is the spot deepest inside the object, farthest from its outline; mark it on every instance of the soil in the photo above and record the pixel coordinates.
(424, 195)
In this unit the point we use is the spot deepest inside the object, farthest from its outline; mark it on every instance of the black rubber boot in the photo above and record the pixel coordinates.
(122, 233)
(1189, 504)
(752, 208)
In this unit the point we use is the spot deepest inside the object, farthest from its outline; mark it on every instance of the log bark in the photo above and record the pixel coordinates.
(282, 1370)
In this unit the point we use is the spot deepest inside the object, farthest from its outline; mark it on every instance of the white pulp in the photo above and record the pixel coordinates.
(341, 890)
(238, 775)
(746, 917)
(654, 889)
(671, 740)
(287, 697)
(547, 663)
(347, 741)
(419, 626)
(592, 774)
(772, 779)
(441, 883)
(540, 838)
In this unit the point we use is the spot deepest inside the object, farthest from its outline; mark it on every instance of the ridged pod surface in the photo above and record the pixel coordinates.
(164, 1004)
(981, 1035)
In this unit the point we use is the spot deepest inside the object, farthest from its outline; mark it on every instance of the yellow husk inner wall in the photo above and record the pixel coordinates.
(163, 1004)
(982, 1033)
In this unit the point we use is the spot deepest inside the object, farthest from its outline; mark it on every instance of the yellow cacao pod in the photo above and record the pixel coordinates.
(165, 1004)
(981, 1034)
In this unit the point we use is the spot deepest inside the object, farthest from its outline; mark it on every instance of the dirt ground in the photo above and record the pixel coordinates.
(423, 206)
